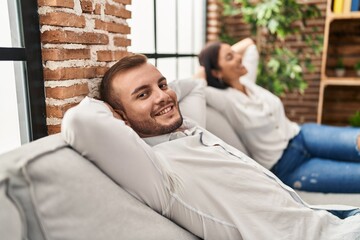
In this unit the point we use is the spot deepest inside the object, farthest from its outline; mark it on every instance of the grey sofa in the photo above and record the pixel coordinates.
(49, 191)
(218, 125)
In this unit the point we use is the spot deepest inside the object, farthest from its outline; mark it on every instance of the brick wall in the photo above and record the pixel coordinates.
(213, 20)
(303, 107)
(299, 107)
(80, 40)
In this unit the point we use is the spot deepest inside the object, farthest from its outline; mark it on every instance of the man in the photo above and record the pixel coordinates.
(182, 171)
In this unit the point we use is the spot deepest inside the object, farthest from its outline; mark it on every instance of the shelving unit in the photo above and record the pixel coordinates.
(341, 41)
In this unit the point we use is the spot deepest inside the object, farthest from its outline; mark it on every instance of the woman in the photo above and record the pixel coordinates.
(310, 157)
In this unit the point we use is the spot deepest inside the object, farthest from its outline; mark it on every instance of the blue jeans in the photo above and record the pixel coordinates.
(322, 159)
(345, 214)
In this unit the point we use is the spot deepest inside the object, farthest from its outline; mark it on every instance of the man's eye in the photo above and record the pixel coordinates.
(163, 86)
(142, 95)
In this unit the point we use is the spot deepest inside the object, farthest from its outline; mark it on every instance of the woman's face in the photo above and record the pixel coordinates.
(230, 64)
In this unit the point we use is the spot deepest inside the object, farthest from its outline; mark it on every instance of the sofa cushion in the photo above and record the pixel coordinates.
(65, 196)
(318, 198)
(11, 227)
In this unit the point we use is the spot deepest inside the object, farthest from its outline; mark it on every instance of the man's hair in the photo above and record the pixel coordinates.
(107, 92)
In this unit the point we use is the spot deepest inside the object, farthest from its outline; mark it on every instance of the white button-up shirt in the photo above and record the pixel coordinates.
(258, 118)
(196, 180)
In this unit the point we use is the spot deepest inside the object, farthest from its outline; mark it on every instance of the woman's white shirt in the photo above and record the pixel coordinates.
(258, 118)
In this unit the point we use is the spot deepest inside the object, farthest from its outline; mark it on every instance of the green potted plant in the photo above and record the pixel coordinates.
(357, 68)
(340, 68)
(354, 119)
(281, 67)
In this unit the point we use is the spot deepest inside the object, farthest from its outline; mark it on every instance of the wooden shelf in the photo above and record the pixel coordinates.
(343, 81)
(341, 41)
(336, 16)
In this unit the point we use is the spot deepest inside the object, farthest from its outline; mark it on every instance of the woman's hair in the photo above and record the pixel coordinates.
(107, 92)
(209, 59)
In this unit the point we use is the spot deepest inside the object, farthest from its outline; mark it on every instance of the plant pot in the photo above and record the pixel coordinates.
(339, 72)
(358, 73)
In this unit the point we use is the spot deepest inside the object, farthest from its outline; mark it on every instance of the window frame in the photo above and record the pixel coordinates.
(30, 54)
(156, 55)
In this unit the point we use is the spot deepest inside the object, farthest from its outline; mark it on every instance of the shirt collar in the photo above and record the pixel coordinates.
(187, 128)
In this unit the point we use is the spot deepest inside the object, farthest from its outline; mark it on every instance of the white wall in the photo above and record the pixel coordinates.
(9, 121)
(190, 27)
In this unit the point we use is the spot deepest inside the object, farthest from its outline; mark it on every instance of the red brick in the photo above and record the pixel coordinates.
(70, 73)
(112, 27)
(117, 11)
(122, 42)
(97, 9)
(125, 2)
(108, 56)
(57, 3)
(62, 19)
(87, 6)
(64, 54)
(53, 129)
(67, 92)
(100, 71)
(59, 36)
(58, 111)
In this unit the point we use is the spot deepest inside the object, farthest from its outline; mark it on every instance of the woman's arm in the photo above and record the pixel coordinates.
(242, 45)
(250, 61)
(250, 58)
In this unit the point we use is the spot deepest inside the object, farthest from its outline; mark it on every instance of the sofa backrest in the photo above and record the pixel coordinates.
(10, 218)
(218, 125)
(49, 191)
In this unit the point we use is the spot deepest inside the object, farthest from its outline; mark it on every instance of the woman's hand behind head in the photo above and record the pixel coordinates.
(200, 74)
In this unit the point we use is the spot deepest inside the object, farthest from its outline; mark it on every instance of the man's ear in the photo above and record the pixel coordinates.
(122, 116)
(216, 73)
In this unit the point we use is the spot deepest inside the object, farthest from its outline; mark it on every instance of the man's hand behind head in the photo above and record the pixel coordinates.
(114, 112)
(200, 74)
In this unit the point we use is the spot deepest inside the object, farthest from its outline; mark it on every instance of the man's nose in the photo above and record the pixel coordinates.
(161, 95)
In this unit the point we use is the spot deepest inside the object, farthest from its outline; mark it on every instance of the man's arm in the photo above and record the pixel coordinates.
(191, 97)
(92, 130)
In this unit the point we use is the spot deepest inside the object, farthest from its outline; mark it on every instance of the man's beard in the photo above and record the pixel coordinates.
(149, 128)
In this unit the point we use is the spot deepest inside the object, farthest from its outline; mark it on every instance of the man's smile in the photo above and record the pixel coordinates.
(165, 110)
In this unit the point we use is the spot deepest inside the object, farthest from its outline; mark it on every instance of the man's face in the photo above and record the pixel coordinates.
(150, 107)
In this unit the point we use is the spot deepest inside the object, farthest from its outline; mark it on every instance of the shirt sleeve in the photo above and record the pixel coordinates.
(191, 97)
(116, 149)
(250, 61)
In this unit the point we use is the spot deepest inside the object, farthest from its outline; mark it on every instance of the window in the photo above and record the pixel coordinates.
(22, 100)
(170, 32)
